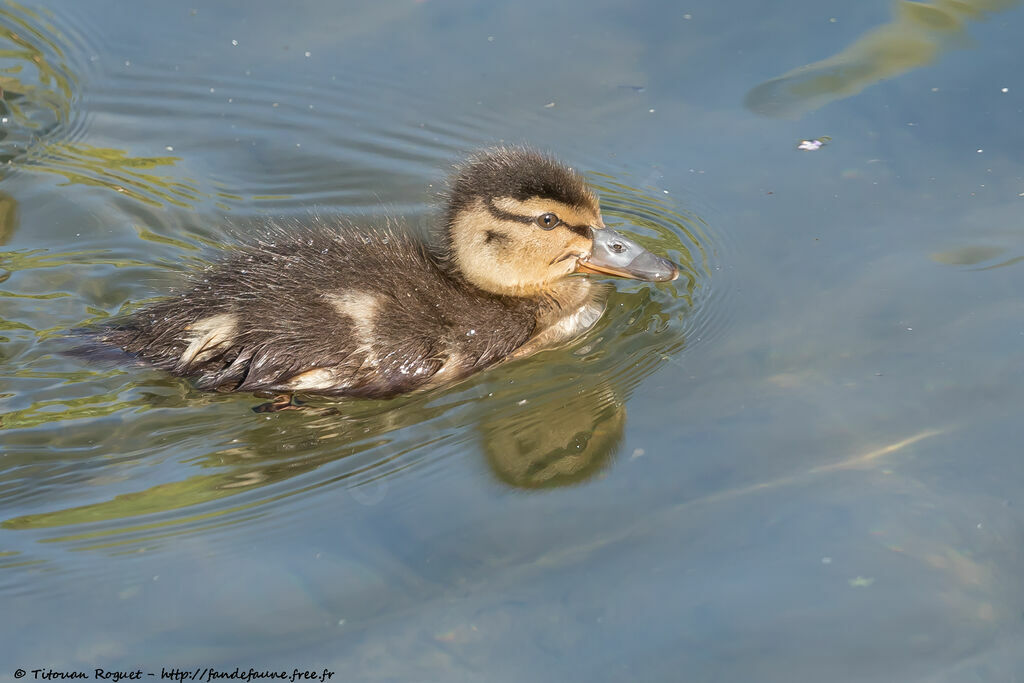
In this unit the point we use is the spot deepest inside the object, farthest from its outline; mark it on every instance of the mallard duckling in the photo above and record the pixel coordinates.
(377, 314)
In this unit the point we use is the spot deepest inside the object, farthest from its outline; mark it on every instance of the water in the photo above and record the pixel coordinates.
(800, 461)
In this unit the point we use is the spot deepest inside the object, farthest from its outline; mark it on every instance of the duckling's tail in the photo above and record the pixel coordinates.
(99, 345)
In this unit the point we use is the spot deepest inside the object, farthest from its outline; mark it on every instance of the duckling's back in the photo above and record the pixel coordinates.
(319, 310)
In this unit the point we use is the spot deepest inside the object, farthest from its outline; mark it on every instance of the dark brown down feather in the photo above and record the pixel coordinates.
(286, 326)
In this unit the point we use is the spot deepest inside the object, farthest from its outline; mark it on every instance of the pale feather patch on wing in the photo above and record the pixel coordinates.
(321, 379)
(206, 335)
(451, 367)
(361, 309)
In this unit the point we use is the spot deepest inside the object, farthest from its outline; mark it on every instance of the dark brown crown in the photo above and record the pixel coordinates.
(518, 173)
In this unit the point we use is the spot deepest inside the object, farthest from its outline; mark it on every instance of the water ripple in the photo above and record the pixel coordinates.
(177, 461)
(313, 126)
(42, 62)
(141, 497)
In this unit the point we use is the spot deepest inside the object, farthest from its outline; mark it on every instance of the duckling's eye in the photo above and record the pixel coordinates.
(548, 220)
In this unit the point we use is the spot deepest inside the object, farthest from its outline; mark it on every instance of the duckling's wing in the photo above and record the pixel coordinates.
(353, 315)
(275, 368)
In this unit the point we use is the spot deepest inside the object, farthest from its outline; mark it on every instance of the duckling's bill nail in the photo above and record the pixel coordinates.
(615, 254)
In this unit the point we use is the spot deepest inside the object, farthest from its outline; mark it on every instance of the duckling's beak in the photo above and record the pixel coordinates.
(614, 254)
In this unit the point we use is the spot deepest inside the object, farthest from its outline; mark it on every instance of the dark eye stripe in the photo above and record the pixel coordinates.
(507, 216)
(501, 214)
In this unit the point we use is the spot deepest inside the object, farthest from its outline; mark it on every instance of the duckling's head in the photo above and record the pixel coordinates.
(519, 221)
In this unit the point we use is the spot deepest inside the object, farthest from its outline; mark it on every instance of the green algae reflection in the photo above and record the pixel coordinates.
(39, 120)
(116, 170)
(36, 83)
(917, 34)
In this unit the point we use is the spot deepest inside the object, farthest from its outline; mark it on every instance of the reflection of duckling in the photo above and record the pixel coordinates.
(377, 314)
(562, 436)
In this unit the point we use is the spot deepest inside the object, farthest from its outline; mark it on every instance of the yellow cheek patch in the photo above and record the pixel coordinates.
(505, 256)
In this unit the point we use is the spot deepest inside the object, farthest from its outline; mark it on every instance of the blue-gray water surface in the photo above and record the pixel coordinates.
(799, 462)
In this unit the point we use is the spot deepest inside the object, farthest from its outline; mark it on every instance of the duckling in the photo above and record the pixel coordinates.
(375, 314)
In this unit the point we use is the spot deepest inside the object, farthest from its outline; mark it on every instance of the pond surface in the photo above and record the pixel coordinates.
(801, 461)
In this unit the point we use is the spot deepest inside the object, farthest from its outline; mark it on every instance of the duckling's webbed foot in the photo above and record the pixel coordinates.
(278, 403)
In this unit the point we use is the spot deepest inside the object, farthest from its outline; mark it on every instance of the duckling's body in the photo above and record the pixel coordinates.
(376, 314)
(326, 311)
